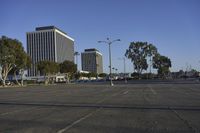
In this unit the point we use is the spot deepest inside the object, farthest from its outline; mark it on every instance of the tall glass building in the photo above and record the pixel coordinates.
(92, 61)
(48, 43)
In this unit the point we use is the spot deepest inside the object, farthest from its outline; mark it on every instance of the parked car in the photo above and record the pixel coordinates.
(8, 82)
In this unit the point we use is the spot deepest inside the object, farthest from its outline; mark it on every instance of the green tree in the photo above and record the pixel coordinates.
(47, 68)
(84, 74)
(138, 52)
(69, 68)
(103, 75)
(22, 62)
(162, 63)
(135, 75)
(77, 75)
(12, 56)
(151, 52)
(91, 74)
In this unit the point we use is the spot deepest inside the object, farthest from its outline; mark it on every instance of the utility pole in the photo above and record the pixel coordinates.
(109, 42)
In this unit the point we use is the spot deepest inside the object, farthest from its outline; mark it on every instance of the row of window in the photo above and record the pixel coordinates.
(40, 46)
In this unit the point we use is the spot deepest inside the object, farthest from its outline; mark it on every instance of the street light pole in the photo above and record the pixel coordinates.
(110, 62)
(199, 63)
(125, 70)
(109, 42)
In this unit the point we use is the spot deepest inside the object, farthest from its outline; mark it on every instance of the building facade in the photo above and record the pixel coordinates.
(48, 43)
(92, 61)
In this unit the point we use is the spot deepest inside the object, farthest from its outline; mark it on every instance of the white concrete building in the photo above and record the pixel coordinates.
(48, 43)
(92, 61)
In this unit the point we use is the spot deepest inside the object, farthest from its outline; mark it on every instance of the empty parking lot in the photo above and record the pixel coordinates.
(88, 108)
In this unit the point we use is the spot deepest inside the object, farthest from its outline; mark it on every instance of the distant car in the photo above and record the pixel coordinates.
(8, 82)
(40, 80)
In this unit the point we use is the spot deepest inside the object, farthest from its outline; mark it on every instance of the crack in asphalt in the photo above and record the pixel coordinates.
(147, 107)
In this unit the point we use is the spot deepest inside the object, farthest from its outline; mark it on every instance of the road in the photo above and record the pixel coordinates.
(89, 108)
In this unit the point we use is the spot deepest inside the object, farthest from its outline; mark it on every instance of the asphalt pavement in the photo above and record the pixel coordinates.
(161, 107)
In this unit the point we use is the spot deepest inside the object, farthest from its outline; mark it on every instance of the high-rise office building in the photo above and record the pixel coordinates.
(48, 43)
(92, 61)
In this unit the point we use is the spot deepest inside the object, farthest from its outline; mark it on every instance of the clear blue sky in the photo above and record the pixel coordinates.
(173, 26)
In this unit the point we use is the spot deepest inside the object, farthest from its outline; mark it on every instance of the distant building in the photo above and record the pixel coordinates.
(48, 43)
(92, 61)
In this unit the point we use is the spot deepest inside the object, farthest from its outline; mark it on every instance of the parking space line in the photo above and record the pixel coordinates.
(153, 91)
(126, 92)
(78, 121)
(194, 89)
(186, 122)
(107, 98)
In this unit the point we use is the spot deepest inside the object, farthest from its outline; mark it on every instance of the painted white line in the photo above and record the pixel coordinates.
(126, 92)
(77, 121)
(107, 98)
(153, 91)
(104, 90)
(102, 100)
(194, 89)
